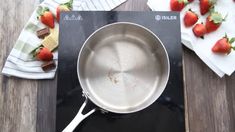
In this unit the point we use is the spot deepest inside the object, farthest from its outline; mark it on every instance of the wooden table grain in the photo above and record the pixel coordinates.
(30, 105)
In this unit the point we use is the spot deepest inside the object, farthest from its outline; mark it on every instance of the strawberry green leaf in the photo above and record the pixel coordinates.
(45, 9)
(216, 17)
(212, 2)
(225, 17)
(42, 10)
(36, 51)
(225, 36)
(68, 4)
(212, 9)
(183, 1)
(39, 10)
(232, 40)
(233, 48)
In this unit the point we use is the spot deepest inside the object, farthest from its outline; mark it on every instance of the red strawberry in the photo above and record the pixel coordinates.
(59, 9)
(213, 21)
(44, 54)
(178, 5)
(190, 0)
(199, 30)
(63, 7)
(190, 18)
(206, 5)
(46, 16)
(223, 45)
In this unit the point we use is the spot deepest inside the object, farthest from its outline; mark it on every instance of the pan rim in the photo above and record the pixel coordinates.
(86, 94)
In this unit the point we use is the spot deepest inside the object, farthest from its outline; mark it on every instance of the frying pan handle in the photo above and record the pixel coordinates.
(78, 118)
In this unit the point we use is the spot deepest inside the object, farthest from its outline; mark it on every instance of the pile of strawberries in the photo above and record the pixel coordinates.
(47, 18)
(213, 22)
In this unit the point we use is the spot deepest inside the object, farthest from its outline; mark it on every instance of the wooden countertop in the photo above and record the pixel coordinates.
(30, 105)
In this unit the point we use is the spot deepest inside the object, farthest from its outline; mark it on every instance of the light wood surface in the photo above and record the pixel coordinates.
(18, 97)
(28, 105)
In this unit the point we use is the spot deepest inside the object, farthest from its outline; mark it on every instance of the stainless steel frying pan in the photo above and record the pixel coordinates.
(122, 68)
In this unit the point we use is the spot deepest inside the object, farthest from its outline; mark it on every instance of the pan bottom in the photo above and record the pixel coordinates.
(122, 72)
(123, 67)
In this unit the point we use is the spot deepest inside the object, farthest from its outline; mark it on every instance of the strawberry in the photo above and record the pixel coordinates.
(43, 54)
(63, 7)
(190, 1)
(206, 5)
(213, 21)
(59, 9)
(199, 30)
(190, 18)
(45, 16)
(223, 45)
(178, 5)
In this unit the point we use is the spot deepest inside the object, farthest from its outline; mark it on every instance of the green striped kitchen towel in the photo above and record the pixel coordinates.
(20, 62)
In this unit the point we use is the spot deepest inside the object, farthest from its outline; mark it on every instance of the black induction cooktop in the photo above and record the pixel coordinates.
(165, 115)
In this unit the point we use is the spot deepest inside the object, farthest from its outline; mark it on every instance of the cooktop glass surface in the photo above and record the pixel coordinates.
(166, 114)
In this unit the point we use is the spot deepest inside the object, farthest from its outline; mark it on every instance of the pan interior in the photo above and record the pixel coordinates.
(123, 68)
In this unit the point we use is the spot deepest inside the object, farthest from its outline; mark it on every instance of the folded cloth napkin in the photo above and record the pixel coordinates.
(220, 64)
(20, 62)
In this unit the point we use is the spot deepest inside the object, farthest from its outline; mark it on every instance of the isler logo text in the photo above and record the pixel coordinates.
(158, 17)
(73, 18)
